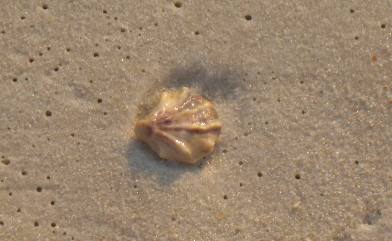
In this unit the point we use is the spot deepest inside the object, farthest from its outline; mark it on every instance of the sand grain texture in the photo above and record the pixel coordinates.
(304, 91)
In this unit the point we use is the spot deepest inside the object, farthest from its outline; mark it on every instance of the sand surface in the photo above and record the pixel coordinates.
(304, 89)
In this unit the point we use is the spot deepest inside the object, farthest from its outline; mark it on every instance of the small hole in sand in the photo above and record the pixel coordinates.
(178, 4)
(248, 17)
(6, 162)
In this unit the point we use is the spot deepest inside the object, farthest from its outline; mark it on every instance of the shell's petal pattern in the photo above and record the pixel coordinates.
(183, 127)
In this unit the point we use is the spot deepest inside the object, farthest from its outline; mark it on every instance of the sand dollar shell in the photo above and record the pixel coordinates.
(183, 127)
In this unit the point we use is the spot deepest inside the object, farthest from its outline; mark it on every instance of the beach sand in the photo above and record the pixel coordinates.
(303, 90)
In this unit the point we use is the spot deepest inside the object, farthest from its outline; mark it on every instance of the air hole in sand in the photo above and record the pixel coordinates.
(6, 161)
(248, 17)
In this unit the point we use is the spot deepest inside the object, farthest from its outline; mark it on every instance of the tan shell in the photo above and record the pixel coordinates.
(183, 127)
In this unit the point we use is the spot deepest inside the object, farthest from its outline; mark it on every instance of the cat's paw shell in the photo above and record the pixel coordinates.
(183, 127)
